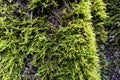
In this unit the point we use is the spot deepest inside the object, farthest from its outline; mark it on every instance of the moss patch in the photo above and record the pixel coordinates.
(41, 39)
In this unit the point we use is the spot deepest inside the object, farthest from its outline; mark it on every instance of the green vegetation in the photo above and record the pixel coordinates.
(49, 39)
(112, 47)
(99, 19)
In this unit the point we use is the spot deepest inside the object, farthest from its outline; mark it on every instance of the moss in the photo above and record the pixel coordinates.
(99, 19)
(111, 71)
(32, 47)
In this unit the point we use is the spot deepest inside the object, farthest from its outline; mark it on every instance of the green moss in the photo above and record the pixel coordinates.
(99, 19)
(113, 41)
(67, 52)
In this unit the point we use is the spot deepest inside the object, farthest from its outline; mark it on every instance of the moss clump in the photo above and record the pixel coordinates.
(99, 20)
(32, 46)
